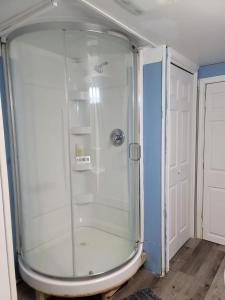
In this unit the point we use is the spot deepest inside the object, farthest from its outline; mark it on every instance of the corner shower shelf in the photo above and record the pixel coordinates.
(79, 99)
(79, 96)
(80, 130)
(82, 167)
(95, 76)
(83, 199)
(98, 170)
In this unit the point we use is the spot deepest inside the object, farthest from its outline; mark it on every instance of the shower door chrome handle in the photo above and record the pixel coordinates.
(134, 151)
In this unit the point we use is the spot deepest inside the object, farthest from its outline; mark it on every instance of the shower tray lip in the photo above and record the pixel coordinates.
(80, 278)
(82, 286)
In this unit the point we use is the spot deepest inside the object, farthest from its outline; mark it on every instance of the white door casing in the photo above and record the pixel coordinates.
(180, 156)
(7, 271)
(214, 164)
(4, 272)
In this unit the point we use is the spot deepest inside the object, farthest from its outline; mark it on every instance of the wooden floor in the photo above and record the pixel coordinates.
(197, 273)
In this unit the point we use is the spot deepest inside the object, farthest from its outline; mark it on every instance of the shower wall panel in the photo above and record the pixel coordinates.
(41, 126)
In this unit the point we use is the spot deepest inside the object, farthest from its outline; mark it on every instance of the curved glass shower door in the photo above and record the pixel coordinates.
(76, 131)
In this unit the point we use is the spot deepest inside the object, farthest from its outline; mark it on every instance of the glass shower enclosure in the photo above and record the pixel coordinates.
(76, 149)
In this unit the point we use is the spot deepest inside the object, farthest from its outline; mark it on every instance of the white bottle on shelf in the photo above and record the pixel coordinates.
(82, 161)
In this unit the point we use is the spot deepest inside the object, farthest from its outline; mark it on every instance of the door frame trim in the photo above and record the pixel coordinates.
(187, 65)
(200, 150)
(163, 157)
(6, 230)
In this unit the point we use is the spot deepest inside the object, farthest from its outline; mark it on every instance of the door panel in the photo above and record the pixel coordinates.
(214, 164)
(184, 205)
(184, 154)
(180, 108)
(173, 135)
(173, 212)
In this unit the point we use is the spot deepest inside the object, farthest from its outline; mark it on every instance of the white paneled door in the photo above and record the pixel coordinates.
(180, 157)
(214, 164)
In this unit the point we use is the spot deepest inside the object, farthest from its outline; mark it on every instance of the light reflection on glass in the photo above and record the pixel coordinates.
(94, 94)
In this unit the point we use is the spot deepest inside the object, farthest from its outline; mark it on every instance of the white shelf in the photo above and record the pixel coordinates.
(81, 167)
(86, 100)
(79, 96)
(83, 199)
(96, 76)
(98, 170)
(80, 130)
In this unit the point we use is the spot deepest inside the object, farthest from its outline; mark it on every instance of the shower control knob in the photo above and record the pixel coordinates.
(117, 137)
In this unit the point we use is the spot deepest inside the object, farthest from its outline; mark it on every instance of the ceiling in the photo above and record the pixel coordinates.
(196, 28)
(10, 8)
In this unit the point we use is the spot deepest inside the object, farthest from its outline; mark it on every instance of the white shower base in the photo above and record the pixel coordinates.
(96, 251)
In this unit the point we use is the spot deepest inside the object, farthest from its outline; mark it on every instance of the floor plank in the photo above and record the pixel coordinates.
(183, 256)
(196, 273)
(217, 289)
(197, 258)
(143, 279)
(181, 286)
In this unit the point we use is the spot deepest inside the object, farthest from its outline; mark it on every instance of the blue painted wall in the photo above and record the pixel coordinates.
(8, 157)
(152, 164)
(211, 70)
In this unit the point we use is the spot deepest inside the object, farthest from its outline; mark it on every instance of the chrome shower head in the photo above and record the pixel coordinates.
(99, 68)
